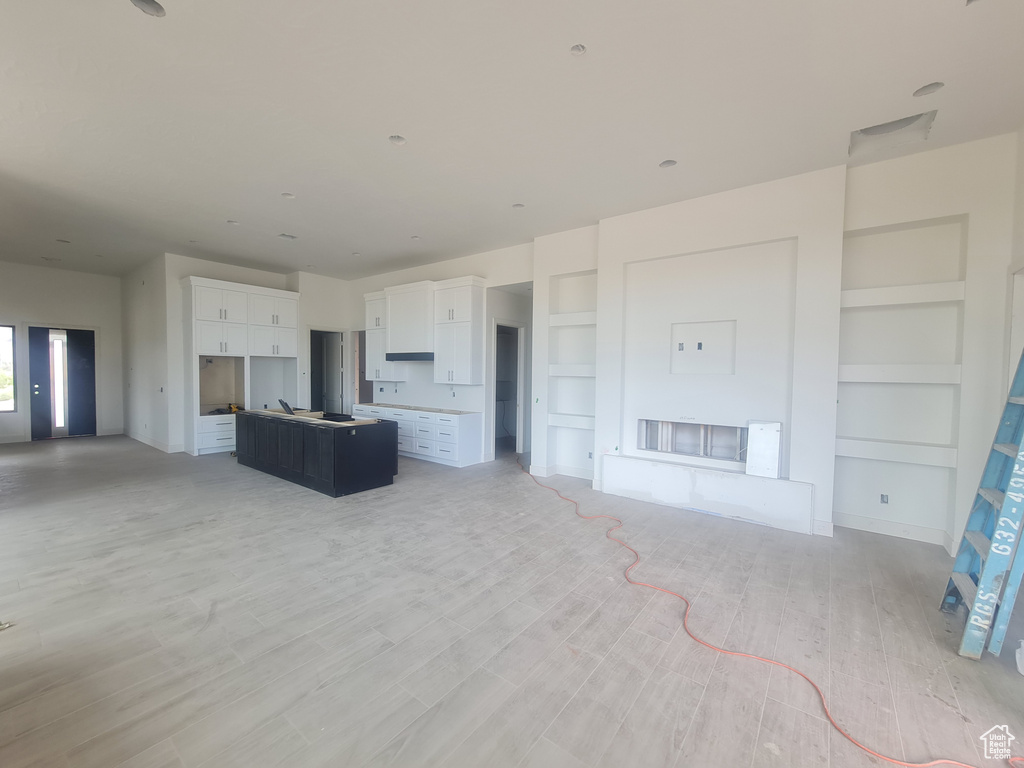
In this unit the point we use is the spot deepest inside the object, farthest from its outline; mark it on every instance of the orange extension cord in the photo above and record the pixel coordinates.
(1013, 761)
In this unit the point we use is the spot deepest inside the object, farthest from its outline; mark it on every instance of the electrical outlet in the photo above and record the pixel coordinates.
(590, 454)
(885, 498)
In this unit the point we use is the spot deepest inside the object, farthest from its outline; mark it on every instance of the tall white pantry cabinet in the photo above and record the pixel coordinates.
(241, 347)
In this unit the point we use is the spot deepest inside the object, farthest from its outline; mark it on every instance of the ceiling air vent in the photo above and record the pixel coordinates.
(878, 138)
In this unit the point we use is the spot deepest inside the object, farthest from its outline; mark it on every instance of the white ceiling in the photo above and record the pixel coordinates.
(131, 135)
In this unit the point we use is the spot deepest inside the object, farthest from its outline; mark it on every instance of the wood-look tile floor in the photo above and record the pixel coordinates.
(171, 611)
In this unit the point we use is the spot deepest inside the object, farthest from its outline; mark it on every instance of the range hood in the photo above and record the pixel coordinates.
(409, 357)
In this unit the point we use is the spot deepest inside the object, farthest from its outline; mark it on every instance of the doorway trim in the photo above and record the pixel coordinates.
(489, 410)
(304, 363)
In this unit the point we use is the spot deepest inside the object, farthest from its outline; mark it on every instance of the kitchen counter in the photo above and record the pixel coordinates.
(418, 408)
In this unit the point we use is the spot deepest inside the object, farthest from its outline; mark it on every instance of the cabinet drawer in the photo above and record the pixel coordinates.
(424, 447)
(446, 434)
(360, 411)
(397, 414)
(215, 440)
(406, 429)
(405, 444)
(448, 451)
(224, 423)
(425, 416)
(426, 432)
(375, 413)
(447, 418)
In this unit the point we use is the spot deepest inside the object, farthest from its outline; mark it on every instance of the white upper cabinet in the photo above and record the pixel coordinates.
(220, 304)
(410, 313)
(375, 316)
(454, 305)
(459, 301)
(273, 310)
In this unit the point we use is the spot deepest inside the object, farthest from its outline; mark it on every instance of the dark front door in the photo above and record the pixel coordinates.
(62, 372)
(81, 382)
(39, 374)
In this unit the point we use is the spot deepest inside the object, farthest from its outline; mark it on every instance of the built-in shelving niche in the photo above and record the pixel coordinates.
(221, 382)
(572, 367)
(900, 351)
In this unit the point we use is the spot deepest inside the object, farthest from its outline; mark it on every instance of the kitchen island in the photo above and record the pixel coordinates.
(333, 457)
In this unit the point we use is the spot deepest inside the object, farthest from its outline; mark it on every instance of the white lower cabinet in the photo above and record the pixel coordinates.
(454, 439)
(216, 434)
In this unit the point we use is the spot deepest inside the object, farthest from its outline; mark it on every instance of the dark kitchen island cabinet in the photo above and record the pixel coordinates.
(336, 458)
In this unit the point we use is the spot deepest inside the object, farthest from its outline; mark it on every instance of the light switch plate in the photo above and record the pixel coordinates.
(703, 348)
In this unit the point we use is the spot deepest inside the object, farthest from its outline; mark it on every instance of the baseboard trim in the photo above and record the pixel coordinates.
(154, 444)
(891, 528)
(823, 528)
(784, 504)
(582, 474)
(950, 544)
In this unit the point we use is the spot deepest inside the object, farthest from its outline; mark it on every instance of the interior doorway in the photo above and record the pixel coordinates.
(62, 372)
(326, 372)
(508, 389)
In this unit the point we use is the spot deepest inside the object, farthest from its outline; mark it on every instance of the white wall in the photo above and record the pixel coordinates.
(60, 298)
(1018, 217)
(753, 285)
(325, 304)
(144, 295)
(807, 210)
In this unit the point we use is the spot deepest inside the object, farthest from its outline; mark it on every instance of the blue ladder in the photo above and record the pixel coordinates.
(987, 573)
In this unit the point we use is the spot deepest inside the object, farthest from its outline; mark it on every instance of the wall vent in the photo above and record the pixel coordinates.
(884, 136)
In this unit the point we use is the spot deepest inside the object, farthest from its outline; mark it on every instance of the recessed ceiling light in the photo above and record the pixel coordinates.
(151, 7)
(924, 90)
(578, 50)
(287, 195)
(396, 139)
(415, 237)
(286, 236)
(357, 254)
(518, 205)
(233, 222)
(666, 163)
(66, 242)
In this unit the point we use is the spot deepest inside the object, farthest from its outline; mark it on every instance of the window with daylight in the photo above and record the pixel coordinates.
(7, 400)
